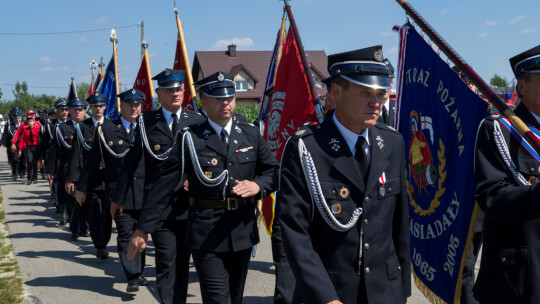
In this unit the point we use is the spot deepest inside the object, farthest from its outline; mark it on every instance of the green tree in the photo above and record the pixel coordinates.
(82, 90)
(498, 81)
(1, 93)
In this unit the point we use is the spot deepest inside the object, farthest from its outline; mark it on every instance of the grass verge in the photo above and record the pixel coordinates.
(11, 283)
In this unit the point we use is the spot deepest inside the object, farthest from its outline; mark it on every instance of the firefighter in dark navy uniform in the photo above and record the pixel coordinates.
(228, 166)
(94, 209)
(154, 136)
(507, 190)
(342, 204)
(57, 162)
(112, 142)
(10, 129)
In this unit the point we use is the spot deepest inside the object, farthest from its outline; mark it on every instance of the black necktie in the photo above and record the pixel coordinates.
(361, 157)
(224, 138)
(385, 115)
(31, 136)
(131, 130)
(174, 124)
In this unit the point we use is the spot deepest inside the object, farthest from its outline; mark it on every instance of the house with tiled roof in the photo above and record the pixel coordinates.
(249, 69)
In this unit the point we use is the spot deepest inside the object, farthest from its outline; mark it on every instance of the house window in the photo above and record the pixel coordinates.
(241, 85)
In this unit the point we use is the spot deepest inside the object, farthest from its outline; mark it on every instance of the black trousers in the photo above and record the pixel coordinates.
(172, 261)
(125, 226)
(285, 280)
(222, 275)
(31, 153)
(62, 200)
(96, 212)
(77, 223)
(13, 159)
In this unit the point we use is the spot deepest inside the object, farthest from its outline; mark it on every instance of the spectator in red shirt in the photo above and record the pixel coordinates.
(29, 143)
(18, 134)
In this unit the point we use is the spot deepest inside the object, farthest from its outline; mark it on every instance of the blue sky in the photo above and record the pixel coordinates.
(485, 33)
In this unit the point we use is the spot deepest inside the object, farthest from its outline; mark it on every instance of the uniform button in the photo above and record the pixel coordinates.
(503, 260)
(367, 270)
(366, 246)
(134, 178)
(334, 192)
(366, 199)
(389, 190)
(366, 222)
(399, 267)
(230, 164)
(231, 178)
(531, 170)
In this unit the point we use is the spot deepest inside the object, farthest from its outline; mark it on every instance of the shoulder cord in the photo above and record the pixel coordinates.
(145, 143)
(115, 155)
(507, 159)
(312, 179)
(60, 139)
(208, 182)
(9, 129)
(81, 139)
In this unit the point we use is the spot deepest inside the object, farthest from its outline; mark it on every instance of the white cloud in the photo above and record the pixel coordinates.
(490, 23)
(101, 20)
(47, 69)
(393, 50)
(45, 59)
(152, 55)
(483, 35)
(83, 39)
(517, 19)
(388, 34)
(444, 11)
(239, 42)
(528, 31)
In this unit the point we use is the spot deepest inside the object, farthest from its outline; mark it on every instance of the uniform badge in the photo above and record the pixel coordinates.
(133, 91)
(208, 174)
(382, 191)
(97, 94)
(156, 147)
(344, 192)
(235, 141)
(220, 77)
(214, 161)
(380, 142)
(378, 55)
(237, 128)
(533, 180)
(244, 149)
(300, 132)
(336, 208)
(206, 133)
(110, 143)
(334, 143)
(120, 142)
(382, 179)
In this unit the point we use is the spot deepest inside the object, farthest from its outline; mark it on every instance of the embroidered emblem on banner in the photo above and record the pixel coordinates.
(424, 179)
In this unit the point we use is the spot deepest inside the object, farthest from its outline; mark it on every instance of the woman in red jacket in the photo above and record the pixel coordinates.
(30, 142)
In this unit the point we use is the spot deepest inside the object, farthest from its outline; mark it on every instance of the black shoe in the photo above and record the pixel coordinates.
(62, 223)
(102, 254)
(74, 237)
(84, 234)
(43, 176)
(29, 182)
(14, 177)
(142, 281)
(34, 181)
(133, 286)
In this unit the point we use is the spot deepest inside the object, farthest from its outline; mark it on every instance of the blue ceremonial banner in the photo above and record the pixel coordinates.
(108, 88)
(438, 116)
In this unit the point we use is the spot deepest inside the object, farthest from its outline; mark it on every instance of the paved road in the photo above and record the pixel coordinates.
(57, 270)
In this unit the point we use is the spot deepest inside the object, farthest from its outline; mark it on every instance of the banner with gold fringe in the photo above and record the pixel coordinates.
(438, 115)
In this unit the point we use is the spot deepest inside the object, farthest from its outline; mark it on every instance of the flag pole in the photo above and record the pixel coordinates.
(114, 40)
(93, 66)
(280, 46)
(482, 86)
(145, 50)
(314, 95)
(186, 59)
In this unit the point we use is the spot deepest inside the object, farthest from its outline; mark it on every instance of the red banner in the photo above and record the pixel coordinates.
(179, 64)
(143, 82)
(291, 106)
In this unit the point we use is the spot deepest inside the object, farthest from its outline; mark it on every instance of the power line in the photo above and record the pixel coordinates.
(35, 87)
(68, 32)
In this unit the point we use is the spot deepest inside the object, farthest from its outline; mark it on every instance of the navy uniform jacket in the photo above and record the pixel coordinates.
(47, 137)
(59, 156)
(118, 140)
(324, 261)
(248, 158)
(9, 131)
(80, 153)
(160, 138)
(510, 263)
